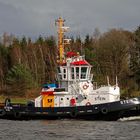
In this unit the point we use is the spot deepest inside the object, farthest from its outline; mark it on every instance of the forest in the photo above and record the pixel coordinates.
(25, 64)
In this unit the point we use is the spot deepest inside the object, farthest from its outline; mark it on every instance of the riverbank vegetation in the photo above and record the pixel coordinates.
(25, 64)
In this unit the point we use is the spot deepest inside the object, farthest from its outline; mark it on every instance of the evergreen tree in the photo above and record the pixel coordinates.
(19, 79)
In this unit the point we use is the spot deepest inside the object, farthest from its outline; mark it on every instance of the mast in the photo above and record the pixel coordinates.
(61, 29)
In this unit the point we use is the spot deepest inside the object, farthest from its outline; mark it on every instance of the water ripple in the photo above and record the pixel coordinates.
(69, 130)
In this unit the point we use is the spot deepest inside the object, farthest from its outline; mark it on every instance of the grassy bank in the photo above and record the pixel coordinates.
(29, 95)
(14, 99)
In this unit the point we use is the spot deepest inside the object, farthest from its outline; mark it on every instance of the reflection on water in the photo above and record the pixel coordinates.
(69, 130)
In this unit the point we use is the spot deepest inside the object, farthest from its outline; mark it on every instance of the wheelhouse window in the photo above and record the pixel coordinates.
(58, 69)
(59, 73)
(77, 72)
(72, 73)
(64, 73)
(83, 72)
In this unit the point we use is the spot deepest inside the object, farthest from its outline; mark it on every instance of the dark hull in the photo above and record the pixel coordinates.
(107, 111)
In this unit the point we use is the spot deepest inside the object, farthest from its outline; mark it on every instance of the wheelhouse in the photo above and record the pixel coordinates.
(74, 70)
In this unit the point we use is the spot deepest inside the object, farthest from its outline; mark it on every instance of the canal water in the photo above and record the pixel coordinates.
(125, 129)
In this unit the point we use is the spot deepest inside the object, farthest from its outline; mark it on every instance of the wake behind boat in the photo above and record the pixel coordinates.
(73, 95)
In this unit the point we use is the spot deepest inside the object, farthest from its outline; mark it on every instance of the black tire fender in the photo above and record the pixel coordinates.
(74, 114)
(2, 112)
(104, 110)
(17, 115)
(30, 104)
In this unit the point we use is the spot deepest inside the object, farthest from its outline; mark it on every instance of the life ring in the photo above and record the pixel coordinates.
(104, 110)
(88, 103)
(2, 112)
(85, 86)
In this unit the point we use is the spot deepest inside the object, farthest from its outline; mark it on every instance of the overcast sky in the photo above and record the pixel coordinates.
(36, 17)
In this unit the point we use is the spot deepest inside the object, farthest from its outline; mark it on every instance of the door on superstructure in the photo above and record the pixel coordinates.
(48, 100)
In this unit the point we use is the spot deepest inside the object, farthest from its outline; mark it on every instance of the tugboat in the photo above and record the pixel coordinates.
(74, 95)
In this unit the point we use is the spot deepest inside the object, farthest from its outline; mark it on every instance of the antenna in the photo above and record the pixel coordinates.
(61, 30)
(59, 23)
